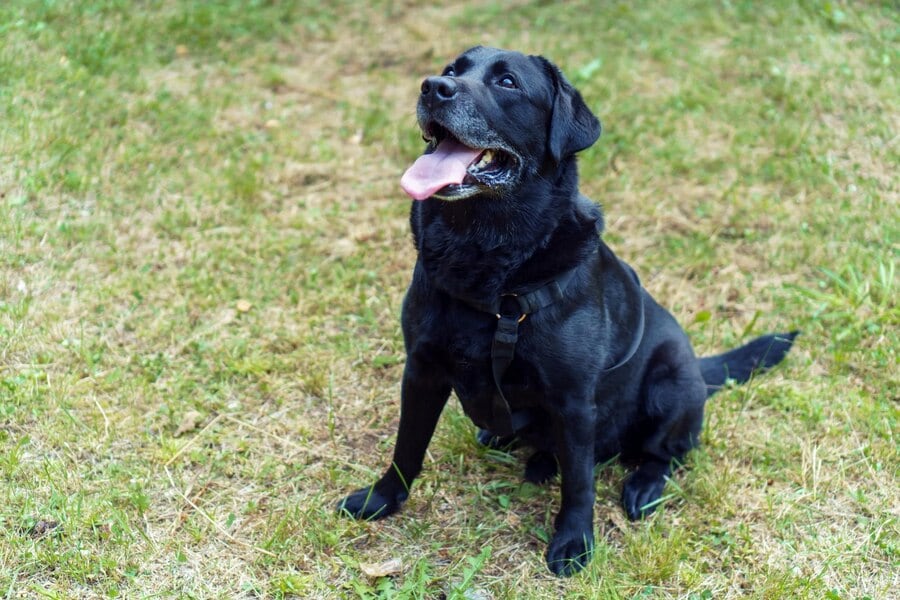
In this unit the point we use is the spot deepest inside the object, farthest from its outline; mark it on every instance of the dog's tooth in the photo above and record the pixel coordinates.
(485, 159)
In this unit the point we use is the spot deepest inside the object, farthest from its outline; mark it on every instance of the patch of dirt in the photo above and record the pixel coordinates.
(43, 528)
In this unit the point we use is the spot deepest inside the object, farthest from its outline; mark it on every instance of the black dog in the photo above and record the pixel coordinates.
(518, 306)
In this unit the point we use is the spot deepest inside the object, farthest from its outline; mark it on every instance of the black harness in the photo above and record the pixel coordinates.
(503, 347)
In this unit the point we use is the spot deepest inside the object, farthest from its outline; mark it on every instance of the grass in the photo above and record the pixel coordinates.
(203, 251)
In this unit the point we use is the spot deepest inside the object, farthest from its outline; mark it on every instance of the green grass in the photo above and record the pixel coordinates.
(203, 251)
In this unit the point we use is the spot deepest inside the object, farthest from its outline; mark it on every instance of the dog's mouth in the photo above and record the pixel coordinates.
(452, 169)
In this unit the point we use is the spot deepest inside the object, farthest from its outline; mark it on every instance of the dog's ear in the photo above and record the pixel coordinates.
(573, 127)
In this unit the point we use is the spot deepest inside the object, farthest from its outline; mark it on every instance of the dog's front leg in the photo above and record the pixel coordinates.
(574, 430)
(422, 398)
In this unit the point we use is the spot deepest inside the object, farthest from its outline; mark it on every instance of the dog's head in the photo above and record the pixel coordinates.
(493, 120)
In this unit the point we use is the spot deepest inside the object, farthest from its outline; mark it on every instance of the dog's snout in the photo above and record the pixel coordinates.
(439, 88)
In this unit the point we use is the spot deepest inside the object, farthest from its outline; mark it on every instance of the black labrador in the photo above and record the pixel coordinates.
(518, 306)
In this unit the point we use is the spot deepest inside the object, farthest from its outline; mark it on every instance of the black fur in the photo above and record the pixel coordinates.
(513, 237)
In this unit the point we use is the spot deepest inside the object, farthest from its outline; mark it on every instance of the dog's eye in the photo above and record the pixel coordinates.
(508, 82)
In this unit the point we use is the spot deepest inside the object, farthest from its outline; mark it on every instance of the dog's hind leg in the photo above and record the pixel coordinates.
(674, 405)
(671, 441)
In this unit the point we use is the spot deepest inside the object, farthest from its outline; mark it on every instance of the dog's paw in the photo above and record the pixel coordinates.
(641, 492)
(570, 551)
(493, 441)
(541, 467)
(369, 504)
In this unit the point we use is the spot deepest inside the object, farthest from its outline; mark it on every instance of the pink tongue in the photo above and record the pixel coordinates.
(445, 166)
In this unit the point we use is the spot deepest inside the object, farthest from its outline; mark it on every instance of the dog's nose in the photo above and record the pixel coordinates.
(439, 88)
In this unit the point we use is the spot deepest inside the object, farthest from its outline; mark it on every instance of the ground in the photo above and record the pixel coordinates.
(204, 248)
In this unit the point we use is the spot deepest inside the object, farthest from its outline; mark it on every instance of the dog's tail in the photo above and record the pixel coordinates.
(740, 364)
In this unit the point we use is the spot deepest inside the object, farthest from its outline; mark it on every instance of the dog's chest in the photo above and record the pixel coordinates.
(471, 376)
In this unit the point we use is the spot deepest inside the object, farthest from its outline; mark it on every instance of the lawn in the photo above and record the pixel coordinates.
(204, 250)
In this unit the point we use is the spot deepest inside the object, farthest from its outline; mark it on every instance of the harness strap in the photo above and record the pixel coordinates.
(635, 340)
(503, 347)
(530, 302)
(503, 350)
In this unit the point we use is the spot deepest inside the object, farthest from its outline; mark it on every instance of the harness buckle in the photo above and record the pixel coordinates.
(519, 320)
(522, 306)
